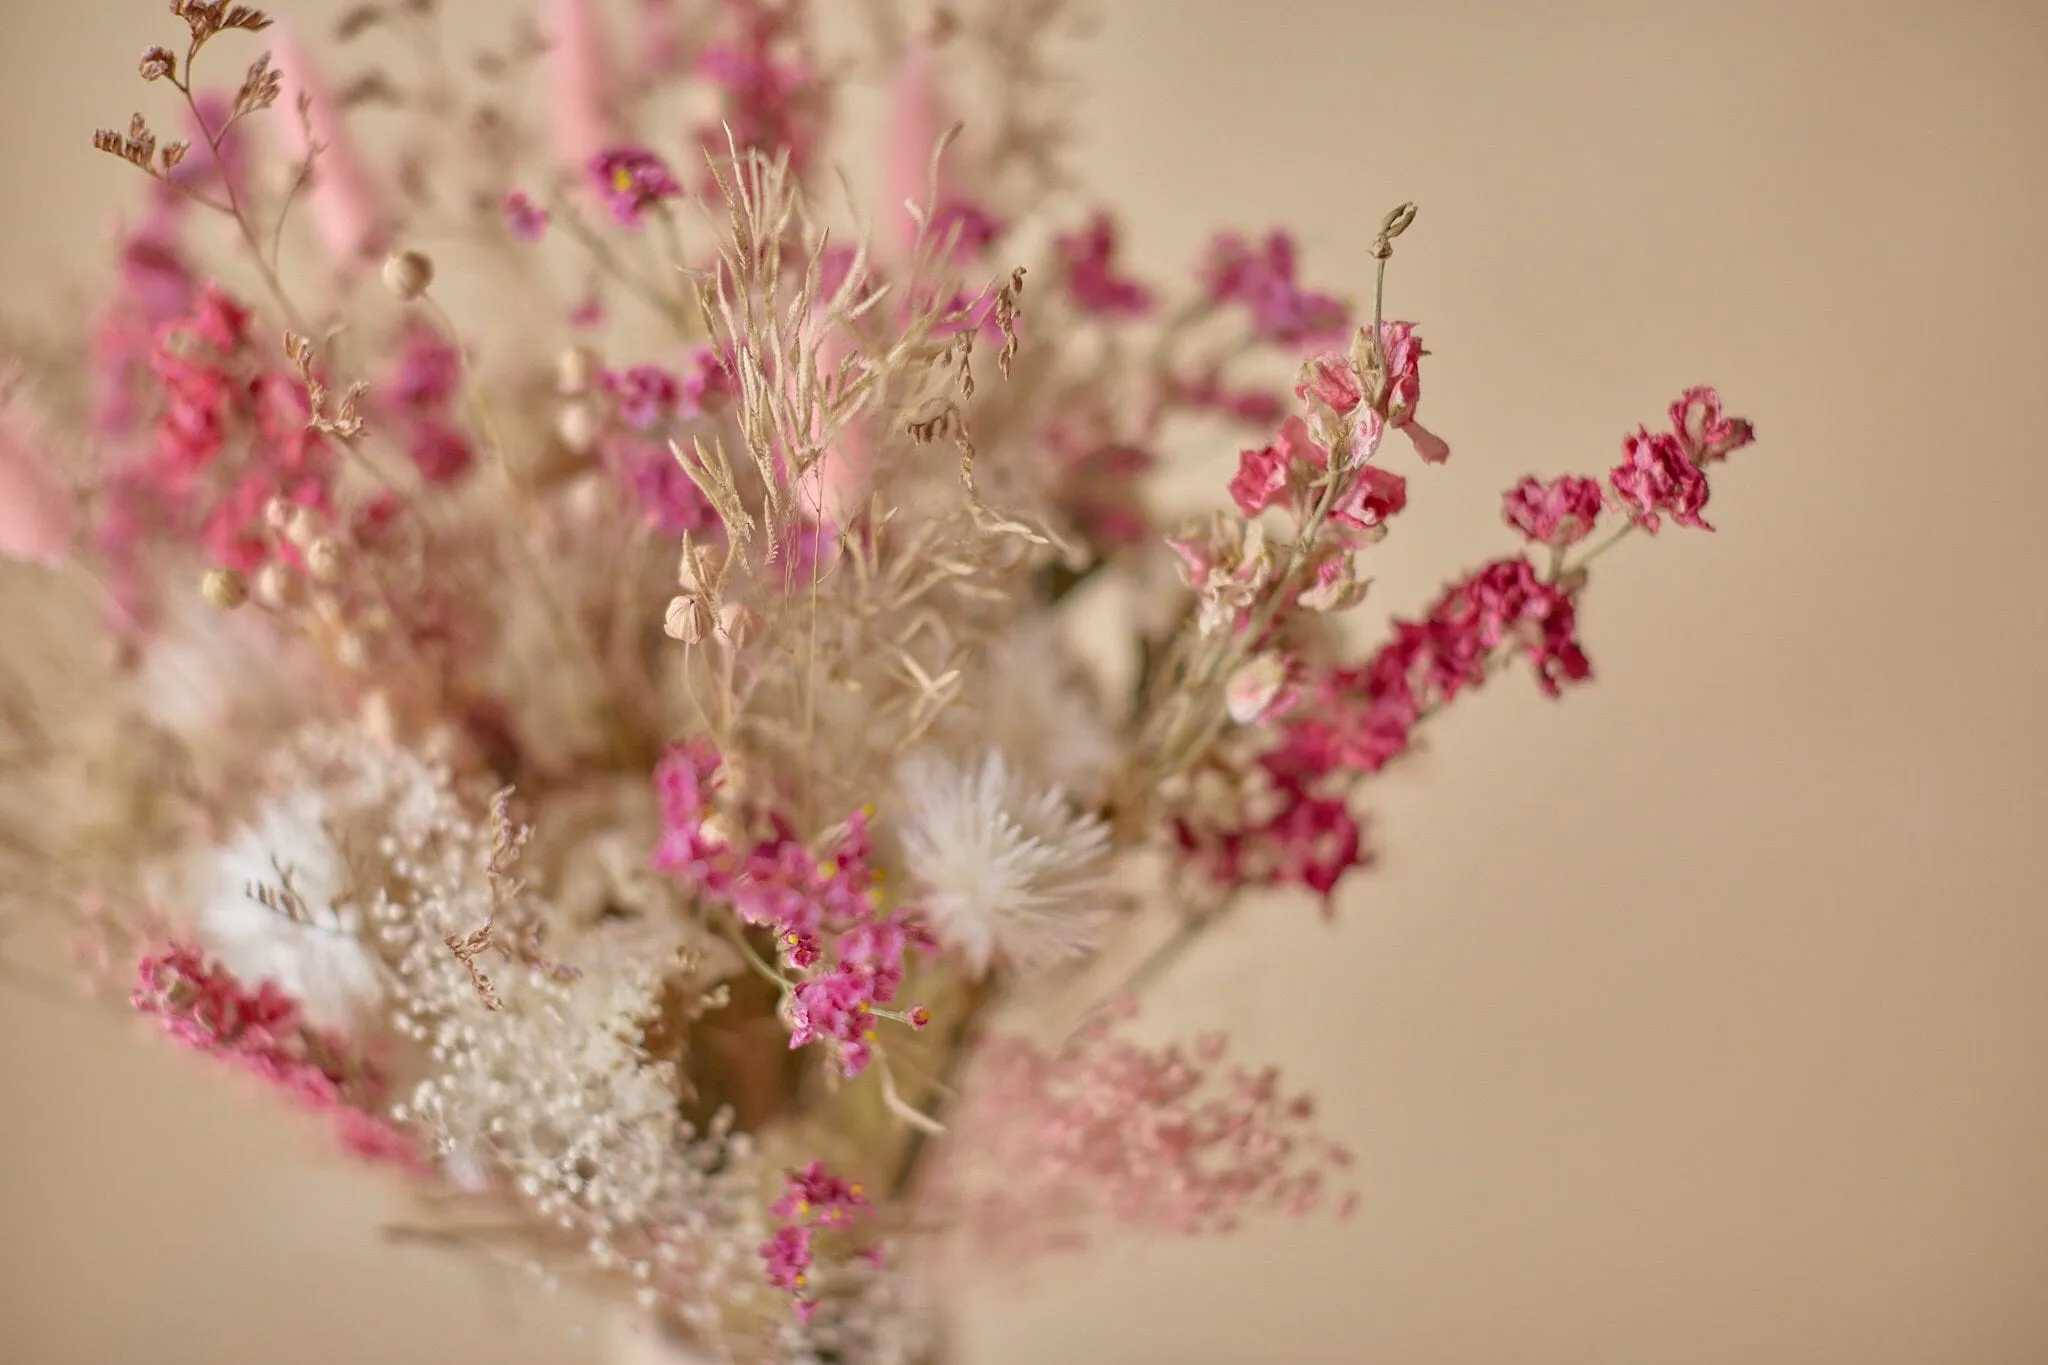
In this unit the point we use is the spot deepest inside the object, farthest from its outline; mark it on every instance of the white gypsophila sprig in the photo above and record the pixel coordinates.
(1007, 870)
(550, 1097)
(271, 909)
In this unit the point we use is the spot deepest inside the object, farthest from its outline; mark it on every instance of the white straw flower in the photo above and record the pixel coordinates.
(305, 943)
(1010, 872)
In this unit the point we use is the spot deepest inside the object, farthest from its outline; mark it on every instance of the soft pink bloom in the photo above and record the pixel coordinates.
(1558, 513)
(816, 1195)
(528, 220)
(1261, 278)
(632, 180)
(441, 453)
(343, 198)
(787, 1256)
(428, 372)
(1266, 474)
(771, 100)
(669, 499)
(1370, 497)
(1333, 382)
(37, 512)
(577, 70)
(1403, 353)
(646, 395)
(1657, 478)
(1087, 259)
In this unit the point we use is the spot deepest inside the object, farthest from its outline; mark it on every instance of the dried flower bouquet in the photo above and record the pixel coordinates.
(624, 779)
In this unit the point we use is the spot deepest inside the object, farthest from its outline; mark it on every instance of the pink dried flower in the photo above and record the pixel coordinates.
(632, 180)
(1403, 353)
(1264, 476)
(818, 1196)
(204, 1007)
(440, 452)
(1087, 260)
(787, 1257)
(1657, 478)
(1227, 564)
(1261, 278)
(1370, 497)
(1559, 513)
(669, 499)
(577, 69)
(528, 220)
(645, 394)
(346, 205)
(1707, 435)
(1333, 382)
(771, 101)
(428, 373)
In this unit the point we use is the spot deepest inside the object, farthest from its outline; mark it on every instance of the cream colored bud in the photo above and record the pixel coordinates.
(687, 619)
(302, 527)
(352, 651)
(407, 274)
(277, 514)
(224, 588)
(277, 586)
(1254, 687)
(323, 560)
(577, 425)
(575, 368)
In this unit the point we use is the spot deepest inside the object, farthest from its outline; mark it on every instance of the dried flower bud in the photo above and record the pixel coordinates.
(277, 514)
(276, 586)
(225, 589)
(577, 425)
(407, 274)
(1254, 692)
(352, 651)
(687, 619)
(323, 560)
(158, 63)
(575, 368)
(1397, 222)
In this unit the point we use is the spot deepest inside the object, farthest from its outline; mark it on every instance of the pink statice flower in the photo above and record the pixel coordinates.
(669, 500)
(632, 180)
(1705, 432)
(528, 220)
(1559, 513)
(1261, 278)
(1088, 261)
(771, 100)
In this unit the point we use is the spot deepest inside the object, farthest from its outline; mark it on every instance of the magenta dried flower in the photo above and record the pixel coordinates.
(528, 220)
(631, 181)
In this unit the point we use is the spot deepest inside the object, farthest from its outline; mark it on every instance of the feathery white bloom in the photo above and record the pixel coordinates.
(317, 960)
(1010, 871)
(1037, 709)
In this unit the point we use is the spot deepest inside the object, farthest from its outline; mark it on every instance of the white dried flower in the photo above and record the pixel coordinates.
(305, 940)
(1009, 870)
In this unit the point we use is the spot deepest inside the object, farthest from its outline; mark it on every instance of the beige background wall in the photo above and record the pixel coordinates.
(1697, 1019)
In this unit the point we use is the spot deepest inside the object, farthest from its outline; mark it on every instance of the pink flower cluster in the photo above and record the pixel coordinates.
(1167, 1140)
(423, 389)
(1087, 258)
(812, 1199)
(1261, 278)
(228, 437)
(770, 98)
(825, 914)
(1665, 473)
(205, 1008)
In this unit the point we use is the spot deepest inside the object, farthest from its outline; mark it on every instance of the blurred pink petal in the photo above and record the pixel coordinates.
(847, 467)
(917, 119)
(340, 192)
(578, 72)
(36, 510)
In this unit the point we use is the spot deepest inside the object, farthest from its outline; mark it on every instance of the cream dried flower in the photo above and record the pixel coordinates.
(1008, 869)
